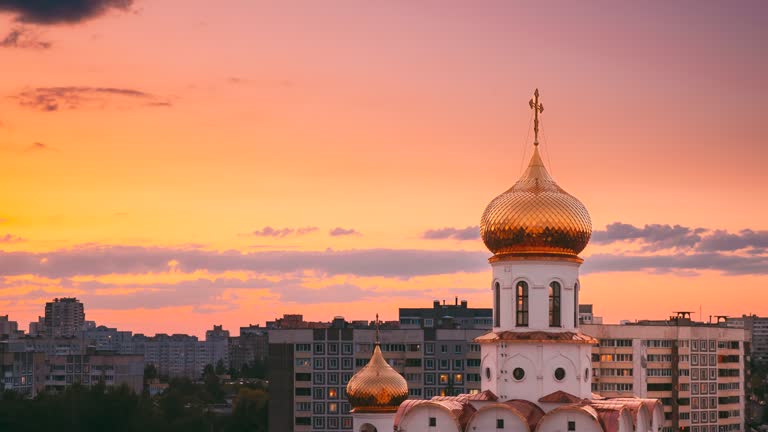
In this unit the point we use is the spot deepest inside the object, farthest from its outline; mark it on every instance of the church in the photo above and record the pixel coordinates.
(536, 363)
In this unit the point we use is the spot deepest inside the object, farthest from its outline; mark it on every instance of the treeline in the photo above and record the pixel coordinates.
(184, 406)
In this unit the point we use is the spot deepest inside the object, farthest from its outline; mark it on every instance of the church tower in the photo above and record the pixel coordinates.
(535, 231)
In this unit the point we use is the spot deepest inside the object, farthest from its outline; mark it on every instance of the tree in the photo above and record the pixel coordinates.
(220, 368)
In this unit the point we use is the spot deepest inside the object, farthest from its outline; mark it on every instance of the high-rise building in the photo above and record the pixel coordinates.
(696, 369)
(64, 317)
(250, 347)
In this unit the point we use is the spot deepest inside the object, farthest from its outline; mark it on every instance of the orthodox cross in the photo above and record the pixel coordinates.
(537, 108)
(377, 329)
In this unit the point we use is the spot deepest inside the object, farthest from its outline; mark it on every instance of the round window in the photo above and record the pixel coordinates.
(488, 373)
(586, 374)
(518, 373)
(559, 374)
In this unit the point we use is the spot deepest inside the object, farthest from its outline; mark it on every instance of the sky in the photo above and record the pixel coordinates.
(179, 164)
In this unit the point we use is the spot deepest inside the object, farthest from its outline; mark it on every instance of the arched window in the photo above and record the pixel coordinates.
(522, 304)
(554, 304)
(496, 303)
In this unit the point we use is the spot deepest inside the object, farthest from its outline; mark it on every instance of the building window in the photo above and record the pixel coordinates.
(496, 303)
(433, 421)
(499, 423)
(554, 304)
(571, 426)
(522, 304)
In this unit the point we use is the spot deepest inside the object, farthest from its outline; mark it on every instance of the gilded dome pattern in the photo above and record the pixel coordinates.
(536, 217)
(377, 387)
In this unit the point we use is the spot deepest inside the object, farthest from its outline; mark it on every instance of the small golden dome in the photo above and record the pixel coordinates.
(536, 217)
(377, 387)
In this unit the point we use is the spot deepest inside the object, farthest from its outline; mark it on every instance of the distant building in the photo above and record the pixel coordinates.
(217, 346)
(113, 370)
(8, 329)
(251, 346)
(64, 317)
(758, 327)
(22, 372)
(457, 315)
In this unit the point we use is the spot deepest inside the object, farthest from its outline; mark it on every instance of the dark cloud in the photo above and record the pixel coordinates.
(724, 241)
(654, 237)
(658, 237)
(468, 233)
(60, 11)
(98, 260)
(21, 37)
(269, 231)
(339, 231)
(73, 97)
(10, 238)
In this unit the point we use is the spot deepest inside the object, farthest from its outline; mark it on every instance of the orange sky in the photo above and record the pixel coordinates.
(143, 148)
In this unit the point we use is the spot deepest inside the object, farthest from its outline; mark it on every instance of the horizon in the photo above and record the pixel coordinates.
(231, 165)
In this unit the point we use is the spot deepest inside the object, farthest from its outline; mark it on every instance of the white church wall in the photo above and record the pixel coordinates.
(418, 419)
(538, 275)
(487, 419)
(538, 363)
(558, 421)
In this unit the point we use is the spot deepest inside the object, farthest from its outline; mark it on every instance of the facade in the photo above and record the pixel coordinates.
(113, 370)
(457, 315)
(250, 347)
(309, 368)
(22, 372)
(535, 362)
(64, 317)
(697, 370)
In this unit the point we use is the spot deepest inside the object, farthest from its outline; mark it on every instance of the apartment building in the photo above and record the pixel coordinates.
(64, 317)
(22, 372)
(113, 370)
(696, 369)
(309, 367)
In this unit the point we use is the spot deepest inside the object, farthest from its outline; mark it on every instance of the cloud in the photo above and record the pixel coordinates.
(654, 237)
(37, 147)
(10, 238)
(99, 260)
(468, 233)
(658, 237)
(268, 231)
(21, 37)
(60, 11)
(339, 231)
(685, 264)
(74, 97)
(724, 241)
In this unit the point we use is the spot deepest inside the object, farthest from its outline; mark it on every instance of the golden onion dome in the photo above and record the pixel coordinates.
(536, 217)
(377, 387)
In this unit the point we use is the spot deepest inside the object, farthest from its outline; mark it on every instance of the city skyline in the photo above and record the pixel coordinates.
(340, 166)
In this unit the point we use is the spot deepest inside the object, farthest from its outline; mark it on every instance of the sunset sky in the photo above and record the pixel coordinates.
(178, 164)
